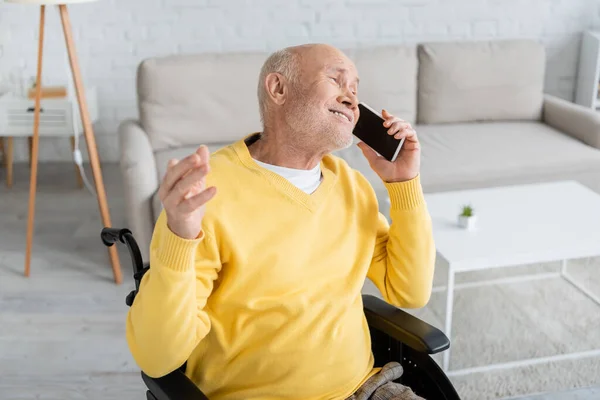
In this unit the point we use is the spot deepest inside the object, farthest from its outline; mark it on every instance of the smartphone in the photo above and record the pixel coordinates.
(369, 128)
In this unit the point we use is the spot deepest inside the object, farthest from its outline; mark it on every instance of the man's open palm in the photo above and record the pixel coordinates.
(184, 194)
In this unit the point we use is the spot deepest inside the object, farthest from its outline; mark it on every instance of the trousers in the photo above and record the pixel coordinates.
(381, 386)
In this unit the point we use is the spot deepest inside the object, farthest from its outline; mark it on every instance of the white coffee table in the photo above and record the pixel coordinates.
(516, 225)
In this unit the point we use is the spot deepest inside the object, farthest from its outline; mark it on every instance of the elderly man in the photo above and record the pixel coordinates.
(260, 254)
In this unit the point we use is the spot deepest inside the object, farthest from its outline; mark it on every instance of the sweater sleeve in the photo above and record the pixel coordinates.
(167, 319)
(404, 257)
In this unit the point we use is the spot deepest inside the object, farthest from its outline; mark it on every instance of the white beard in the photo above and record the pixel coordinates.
(315, 134)
(342, 140)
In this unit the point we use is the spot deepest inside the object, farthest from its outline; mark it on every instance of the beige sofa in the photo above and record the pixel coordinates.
(479, 109)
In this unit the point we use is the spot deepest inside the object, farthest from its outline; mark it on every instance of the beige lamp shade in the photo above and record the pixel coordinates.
(48, 2)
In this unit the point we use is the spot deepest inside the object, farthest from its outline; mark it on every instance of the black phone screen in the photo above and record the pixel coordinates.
(369, 128)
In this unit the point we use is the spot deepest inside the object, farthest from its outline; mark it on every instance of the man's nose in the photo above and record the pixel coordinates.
(349, 99)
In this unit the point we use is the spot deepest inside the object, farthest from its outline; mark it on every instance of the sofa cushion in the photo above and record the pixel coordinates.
(162, 157)
(388, 78)
(480, 81)
(199, 98)
(486, 154)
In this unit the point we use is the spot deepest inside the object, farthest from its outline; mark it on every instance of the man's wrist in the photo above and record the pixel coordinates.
(405, 195)
(173, 251)
(402, 179)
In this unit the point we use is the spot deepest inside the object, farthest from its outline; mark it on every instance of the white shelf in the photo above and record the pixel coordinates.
(59, 116)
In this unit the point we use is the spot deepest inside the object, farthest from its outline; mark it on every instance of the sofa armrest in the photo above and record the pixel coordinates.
(140, 179)
(174, 386)
(575, 120)
(404, 327)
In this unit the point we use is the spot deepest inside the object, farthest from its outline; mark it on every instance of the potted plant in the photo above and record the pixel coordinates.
(467, 217)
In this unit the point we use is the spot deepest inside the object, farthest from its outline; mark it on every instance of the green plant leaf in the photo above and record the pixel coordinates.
(467, 211)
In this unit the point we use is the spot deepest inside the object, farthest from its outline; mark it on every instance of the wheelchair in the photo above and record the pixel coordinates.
(395, 335)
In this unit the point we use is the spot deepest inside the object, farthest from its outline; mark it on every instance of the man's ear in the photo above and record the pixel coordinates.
(276, 85)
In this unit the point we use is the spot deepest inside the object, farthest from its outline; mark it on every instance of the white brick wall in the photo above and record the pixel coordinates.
(113, 36)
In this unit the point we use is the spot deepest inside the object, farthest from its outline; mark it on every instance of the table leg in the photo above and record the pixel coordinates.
(8, 161)
(30, 146)
(36, 138)
(77, 171)
(89, 137)
(449, 309)
(578, 286)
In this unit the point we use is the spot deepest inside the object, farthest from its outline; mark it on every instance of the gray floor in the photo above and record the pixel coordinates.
(581, 394)
(62, 329)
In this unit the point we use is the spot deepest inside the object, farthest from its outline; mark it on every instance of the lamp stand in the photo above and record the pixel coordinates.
(89, 137)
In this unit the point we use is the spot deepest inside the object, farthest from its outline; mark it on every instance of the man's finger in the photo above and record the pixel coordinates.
(370, 154)
(161, 190)
(397, 127)
(389, 118)
(394, 120)
(203, 152)
(409, 134)
(198, 200)
(192, 182)
(175, 173)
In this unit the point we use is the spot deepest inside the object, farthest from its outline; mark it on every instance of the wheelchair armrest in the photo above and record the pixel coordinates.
(174, 386)
(404, 327)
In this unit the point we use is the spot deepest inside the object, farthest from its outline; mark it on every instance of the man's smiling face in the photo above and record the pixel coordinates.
(325, 99)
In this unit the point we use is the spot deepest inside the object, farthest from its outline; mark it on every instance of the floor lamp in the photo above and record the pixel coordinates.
(86, 123)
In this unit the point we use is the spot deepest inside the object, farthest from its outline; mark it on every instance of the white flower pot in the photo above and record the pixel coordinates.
(468, 223)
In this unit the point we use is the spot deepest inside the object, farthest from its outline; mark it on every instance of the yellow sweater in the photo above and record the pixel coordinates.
(266, 302)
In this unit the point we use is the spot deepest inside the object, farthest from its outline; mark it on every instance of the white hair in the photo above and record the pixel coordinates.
(284, 62)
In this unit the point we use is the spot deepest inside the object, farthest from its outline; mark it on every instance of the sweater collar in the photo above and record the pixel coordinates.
(310, 201)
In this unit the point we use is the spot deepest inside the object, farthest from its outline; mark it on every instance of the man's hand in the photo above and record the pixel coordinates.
(408, 162)
(184, 195)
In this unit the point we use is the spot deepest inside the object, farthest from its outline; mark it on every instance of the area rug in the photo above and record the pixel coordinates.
(540, 316)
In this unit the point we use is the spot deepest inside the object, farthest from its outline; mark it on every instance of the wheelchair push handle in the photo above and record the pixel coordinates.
(110, 236)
